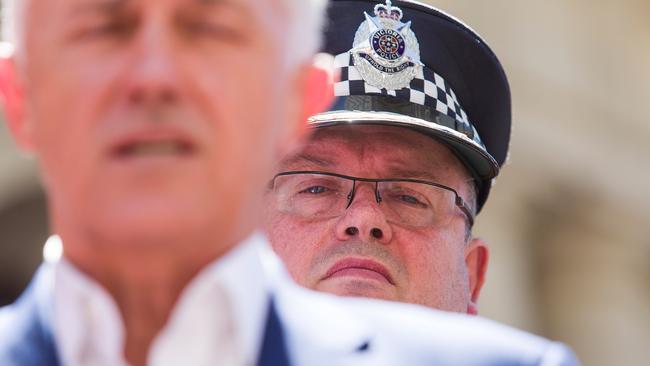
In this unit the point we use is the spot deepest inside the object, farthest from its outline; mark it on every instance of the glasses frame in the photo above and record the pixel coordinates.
(459, 201)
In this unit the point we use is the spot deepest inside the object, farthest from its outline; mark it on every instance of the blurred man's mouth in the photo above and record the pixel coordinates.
(154, 144)
(154, 148)
(359, 268)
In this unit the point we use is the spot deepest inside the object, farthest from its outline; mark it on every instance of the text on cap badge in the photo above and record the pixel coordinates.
(385, 51)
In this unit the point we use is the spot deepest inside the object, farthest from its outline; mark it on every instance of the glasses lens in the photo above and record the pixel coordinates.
(312, 195)
(416, 204)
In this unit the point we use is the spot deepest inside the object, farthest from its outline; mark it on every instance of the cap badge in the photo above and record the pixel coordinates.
(385, 51)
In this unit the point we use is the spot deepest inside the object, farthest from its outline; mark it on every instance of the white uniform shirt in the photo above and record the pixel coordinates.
(218, 319)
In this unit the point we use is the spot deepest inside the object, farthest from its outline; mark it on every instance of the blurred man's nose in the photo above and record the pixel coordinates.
(364, 217)
(154, 68)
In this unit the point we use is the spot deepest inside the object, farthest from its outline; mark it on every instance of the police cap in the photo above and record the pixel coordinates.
(407, 64)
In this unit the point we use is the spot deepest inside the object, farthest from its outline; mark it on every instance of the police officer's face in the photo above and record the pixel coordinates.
(155, 115)
(431, 265)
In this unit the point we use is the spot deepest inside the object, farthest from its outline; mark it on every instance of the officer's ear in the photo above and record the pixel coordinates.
(476, 260)
(13, 101)
(314, 94)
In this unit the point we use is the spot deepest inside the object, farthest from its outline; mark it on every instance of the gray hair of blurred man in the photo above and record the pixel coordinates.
(306, 17)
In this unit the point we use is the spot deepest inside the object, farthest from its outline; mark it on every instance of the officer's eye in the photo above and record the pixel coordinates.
(311, 187)
(409, 199)
(314, 190)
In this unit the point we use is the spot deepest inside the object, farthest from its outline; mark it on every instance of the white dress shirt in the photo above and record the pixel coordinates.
(219, 318)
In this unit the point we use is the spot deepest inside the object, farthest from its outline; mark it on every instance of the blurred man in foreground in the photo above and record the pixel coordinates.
(156, 123)
(381, 201)
(139, 113)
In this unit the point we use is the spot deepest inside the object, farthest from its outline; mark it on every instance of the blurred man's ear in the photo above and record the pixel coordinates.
(476, 260)
(320, 86)
(315, 87)
(13, 102)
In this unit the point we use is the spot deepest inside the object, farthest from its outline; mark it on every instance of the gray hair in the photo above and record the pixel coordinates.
(307, 17)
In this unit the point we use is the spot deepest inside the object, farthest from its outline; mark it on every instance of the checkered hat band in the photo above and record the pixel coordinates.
(385, 103)
(428, 89)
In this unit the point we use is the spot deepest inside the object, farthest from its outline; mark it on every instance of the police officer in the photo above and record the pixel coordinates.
(382, 200)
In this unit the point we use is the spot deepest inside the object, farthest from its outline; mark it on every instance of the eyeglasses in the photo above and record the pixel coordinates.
(409, 202)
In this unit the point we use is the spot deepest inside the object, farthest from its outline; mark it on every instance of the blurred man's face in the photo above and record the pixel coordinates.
(150, 115)
(431, 265)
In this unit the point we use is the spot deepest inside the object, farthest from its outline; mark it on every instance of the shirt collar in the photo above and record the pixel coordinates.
(241, 274)
(81, 304)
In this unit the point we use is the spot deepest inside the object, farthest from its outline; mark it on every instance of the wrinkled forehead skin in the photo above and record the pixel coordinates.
(392, 150)
(302, 19)
(36, 17)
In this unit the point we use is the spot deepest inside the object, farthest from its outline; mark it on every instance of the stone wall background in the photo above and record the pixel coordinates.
(568, 220)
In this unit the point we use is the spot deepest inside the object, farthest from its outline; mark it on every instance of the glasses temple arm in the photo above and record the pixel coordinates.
(351, 194)
(377, 195)
(460, 202)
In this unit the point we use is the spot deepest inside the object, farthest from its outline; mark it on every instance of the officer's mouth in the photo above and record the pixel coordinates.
(359, 268)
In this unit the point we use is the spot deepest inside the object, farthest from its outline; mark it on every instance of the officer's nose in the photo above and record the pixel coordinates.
(153, 76)
(364, 217)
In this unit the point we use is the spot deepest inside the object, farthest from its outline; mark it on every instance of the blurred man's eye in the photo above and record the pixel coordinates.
(107, 28)
(218, 30)
(113, 28)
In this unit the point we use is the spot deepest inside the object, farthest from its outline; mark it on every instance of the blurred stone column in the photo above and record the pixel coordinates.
(594, 277)
(510, 293)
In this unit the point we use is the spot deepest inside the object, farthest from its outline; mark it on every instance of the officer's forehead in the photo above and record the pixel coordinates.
(397, 150)
(389, 137)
